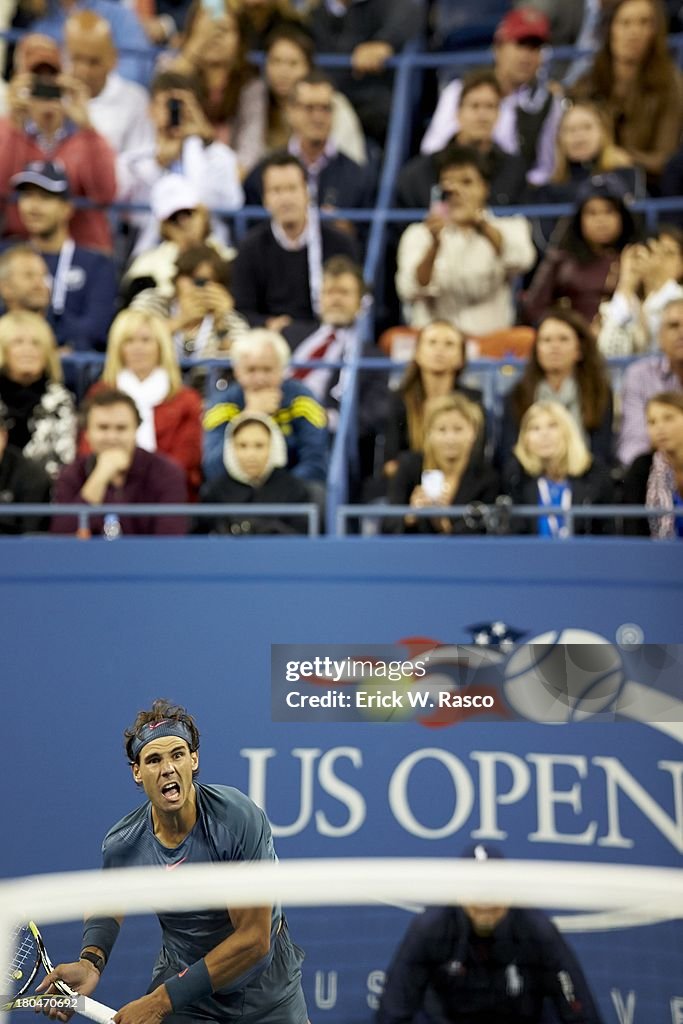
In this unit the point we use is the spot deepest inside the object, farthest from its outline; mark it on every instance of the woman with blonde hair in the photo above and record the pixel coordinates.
(40, 413)
(585, 145)
(656, 478)
(141, 362)
(448, 473)
(551, 466)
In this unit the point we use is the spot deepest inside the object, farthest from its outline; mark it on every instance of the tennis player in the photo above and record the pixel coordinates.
(484, 964)
(218, 965)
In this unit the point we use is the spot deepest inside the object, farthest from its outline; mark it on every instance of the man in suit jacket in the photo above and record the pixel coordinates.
(333, 178)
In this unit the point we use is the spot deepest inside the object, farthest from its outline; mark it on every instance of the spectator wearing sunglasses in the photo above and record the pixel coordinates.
(200, 313)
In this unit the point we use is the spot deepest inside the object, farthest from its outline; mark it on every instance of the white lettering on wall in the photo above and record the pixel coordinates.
(462, 786)
(618, 778)
(325, 989)
(375, 988)
(548, 796)
(625, 1011)
(341, 791)
(490, 797)
(558, 788)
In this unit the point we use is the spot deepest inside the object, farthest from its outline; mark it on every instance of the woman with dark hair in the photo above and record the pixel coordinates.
(447, 472)
(290, 57)
(582, 270)
(566, 367)
(656, 478)
(650, 277)
(262, 17)
(231, 93)
(434, 372)
(637, 84)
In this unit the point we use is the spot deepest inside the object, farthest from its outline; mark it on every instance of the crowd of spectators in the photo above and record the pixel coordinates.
(164, 109)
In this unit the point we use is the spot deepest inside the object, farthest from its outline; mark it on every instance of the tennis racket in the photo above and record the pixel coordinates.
(29, 953)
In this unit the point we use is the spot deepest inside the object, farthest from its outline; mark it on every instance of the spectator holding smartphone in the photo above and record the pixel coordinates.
(448, 473)
(184, 143)
(49, 120)
(458, 264)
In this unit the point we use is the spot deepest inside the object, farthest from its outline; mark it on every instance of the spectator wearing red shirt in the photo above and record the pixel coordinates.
(49, 120)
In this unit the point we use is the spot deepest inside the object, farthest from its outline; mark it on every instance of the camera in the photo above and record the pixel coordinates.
(46, 89)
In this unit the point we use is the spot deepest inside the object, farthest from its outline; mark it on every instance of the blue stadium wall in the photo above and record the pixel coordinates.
(92, 631)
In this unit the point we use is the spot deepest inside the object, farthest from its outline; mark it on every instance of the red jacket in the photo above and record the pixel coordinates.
(178, 426)
(90, 166)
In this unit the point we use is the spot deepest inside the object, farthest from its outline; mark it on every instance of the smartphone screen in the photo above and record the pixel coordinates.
(437, 203)
(175, 112)
(432, 483)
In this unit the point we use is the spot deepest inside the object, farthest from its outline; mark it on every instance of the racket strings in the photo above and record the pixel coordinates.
(23, 959)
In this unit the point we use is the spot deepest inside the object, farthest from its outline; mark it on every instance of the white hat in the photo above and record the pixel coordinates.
(171, 193)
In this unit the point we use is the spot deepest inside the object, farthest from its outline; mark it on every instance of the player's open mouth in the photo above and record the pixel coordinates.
(171, 791)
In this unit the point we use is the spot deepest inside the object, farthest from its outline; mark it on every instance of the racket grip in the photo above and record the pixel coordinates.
(97, 1011)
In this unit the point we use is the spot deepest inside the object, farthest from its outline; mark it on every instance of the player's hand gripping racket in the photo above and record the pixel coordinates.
(29, 954)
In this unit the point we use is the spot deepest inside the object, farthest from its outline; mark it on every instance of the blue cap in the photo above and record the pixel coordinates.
(46, 174)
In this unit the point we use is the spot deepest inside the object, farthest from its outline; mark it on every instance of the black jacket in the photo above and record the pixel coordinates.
(594, 487)
(635, 493)
(600, 440)
(506, 173)
(22, 481)
(341, 183)
(444, 969)
(396, 432)
(281, 486)
(477, 484)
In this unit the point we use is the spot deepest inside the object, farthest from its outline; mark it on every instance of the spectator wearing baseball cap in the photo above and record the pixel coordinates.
(49, 121)
(84, 281)
(529, 112)
(183, 223)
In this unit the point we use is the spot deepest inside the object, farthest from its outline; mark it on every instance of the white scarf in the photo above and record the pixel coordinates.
(146, 394)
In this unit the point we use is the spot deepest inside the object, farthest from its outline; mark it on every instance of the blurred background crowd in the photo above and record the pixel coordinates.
(190, 261)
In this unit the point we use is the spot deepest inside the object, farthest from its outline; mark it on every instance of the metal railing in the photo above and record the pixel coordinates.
(496, 519)
(85, 513)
